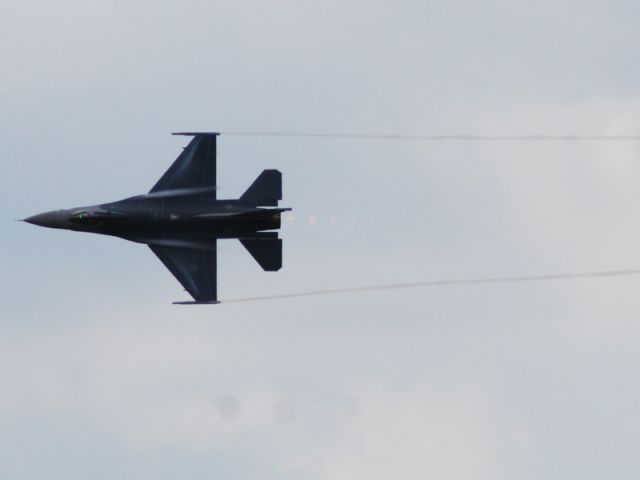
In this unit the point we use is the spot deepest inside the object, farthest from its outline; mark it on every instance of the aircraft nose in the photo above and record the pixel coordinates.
(53, 219)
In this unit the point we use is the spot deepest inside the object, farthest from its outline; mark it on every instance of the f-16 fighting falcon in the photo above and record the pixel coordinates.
(181, 219)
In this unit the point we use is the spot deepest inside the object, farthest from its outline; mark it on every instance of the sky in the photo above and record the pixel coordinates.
(102, 377)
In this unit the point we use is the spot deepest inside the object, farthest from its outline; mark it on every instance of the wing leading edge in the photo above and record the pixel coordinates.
(195, 167)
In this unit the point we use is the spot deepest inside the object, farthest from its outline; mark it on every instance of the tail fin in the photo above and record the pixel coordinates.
(266, 190)
(266, 251)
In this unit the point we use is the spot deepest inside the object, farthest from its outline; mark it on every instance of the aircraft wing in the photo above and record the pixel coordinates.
(194, 268)
(195, 167)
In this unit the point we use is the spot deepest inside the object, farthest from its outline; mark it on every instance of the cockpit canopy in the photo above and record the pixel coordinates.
(88, 216)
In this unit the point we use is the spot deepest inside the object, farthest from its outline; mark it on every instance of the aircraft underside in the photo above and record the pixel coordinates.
(181, 220)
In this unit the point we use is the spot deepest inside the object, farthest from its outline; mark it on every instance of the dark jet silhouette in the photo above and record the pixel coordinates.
(181, 219)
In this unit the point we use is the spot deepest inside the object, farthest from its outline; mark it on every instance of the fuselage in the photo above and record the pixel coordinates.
(149, 217)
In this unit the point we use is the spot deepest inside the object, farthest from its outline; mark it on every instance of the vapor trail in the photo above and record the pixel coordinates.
(446, 283)
(562, 138)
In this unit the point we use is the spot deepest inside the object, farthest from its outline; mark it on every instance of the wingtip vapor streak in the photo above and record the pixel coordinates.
(181, 219)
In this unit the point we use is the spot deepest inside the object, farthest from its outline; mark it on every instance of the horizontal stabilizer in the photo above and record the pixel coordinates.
(267, 252)
(266, 190)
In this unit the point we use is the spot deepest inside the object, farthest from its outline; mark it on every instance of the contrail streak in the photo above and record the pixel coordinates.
(446, 283)
(562, 138)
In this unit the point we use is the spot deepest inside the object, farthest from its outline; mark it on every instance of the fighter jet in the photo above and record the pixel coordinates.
(181, 219)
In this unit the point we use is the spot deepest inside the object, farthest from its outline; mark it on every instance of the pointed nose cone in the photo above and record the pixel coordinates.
(54, 219)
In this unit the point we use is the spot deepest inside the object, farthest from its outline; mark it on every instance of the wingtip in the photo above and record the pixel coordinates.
(196, 302)
(193, 134)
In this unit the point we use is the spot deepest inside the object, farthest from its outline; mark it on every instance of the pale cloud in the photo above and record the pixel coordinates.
(414, 435)
(152, 387)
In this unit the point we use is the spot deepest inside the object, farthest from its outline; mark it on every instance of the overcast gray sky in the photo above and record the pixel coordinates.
(101, 377)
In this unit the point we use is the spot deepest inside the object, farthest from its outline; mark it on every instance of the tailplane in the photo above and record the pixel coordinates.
(266, 251)
(266, 190)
